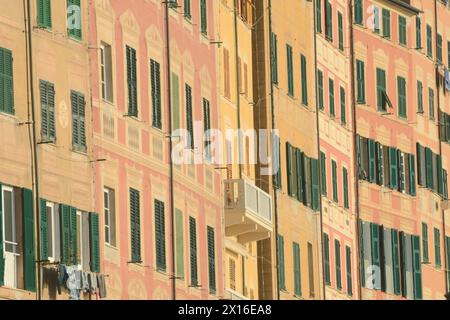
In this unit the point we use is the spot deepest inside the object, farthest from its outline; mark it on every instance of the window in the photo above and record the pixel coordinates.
(6, 81)
(418, 33)
(439, 48)
(328, 20)
(189, 118)
(425, 242)
(207, 127)
(320, 89)
(203, 17)
(431, 103)
(211, 260)
(319, 16)
(280, 252)
(232, 273)
(343, 109)
(109, 199)
(74, 21)
(402, 37)
(304, 81)
(331, 97)
(132, 82)
(401, 92)
(359, 12)
(381, 89)
(135, 224)
(187, 9)
(386, 23)
(437, 247)
(323, 167)
(78, 103)
(345, 187)
(179, 244)
(376, 20)
(311, 270)
(155, 74)
(10, 240)
(47, 98)
(51, 229)
(348, 263)
(106, 72)
(429, 41)
(337, 260)
(326, 257)
(419, 97)
(360, 81)
(341, 31)
(274, 57)
(290, 70)
(44, 14)
(160, 236)
(193, 250)
(335, 188)
(226, 66)
(297, 270)
(175, 85)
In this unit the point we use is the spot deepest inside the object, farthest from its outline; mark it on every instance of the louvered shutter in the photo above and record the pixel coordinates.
(135, 225)
(43, 233)
(65, 234)
(211, 259)
(160, 235)
(193, 250)
(28, 240)
(94, 242)
(73, 236)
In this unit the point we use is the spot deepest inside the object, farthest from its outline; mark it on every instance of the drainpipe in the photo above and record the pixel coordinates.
(34, 156)
(238, 85)
(169, 107)
(320, 246)
(355, 154)
(272, 104)
(439, 135)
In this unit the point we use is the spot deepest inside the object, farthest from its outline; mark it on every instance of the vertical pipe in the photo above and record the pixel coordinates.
(355, 153)
(169, 107)
(238, 85)
(35, 171)
(320, 245)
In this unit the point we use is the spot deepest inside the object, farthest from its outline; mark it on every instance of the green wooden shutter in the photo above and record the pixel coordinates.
(304, 80)
(319, 16)
(343, 107)
(386, 23)
(132, 81)
(43, 229)
(437, 247)
(281, 275)
(401, 93)
(341, 31)
(323, 171)
(425, 242)
(393, 163)
(328, 20)
(418, 33)
(289, 167)
(297, 270)
(179, 244)
(73, 236)
(417, 265)
(6, 81)
(28, 240)
(429, 168)
(337, 260)
(412, 175)
(331, 97)
(419, 97)
(335, 186)
(156, 93)
(362, 269)
(379, 163)
(274, 57)
(315, 184)
(345, 187)
(326, 257)
(189, 116)
(160, 235)
(44, 13)
(381, 89)
(175, 82)
(74, 32)
(360, 79)
(187, 9)
(375, 241)
(372, 162)
(290, 70)
(135, 224)
(94, 241)
(300, 176)
(320, 89)
(395, 261)
(203, 17)
(402, 30)
(440, 188)
(211, 260)
(348, 263)
(2, 258)
(358, 12)
(193, 250)
(65, 234)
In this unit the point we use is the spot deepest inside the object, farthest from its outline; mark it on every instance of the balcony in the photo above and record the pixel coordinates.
(248, 211)
(234, 295)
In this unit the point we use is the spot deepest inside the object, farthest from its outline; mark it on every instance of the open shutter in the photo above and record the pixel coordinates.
(297, 271)
(393, 162)
(281, 276)
(375, 234)
(65, 234)
(94, 241)
(417, 264)
(412, 175)
(362, 254)
(429, 168)
(395, 262)
(28, 241)
(289, 167)
(300, 176)
(73, 236)
(372, 164)
(43, 227)
(315, 184)
(440, 188)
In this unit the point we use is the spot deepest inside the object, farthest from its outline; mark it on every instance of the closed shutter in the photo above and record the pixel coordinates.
(417, 265)
(386, 23)
(429, 168)
(73, 236)
(44, 13)
(401, 91)
(320, 89)
(343, 107)
(372, 163)
(412, 175)
(393, 163)
(418, 32)
(175, 83)
(74, 19)
(315, 184)
(375, 235)
(425, 242)
(189, 117)
(331, 97)
(132, 82)
(437, 247)
(297, 271)
(187, 9)
(274, 56)
(326, 257)
(345, 187)
(203, 17)
(28, 240)
(179, 244)
(348, 264)
(135, 224)
(335, 186)
(78, 121)
(290, 71)
(395, 262)
(211, 259)
(337, 260)
(341, 31)
(360, 78)
(160, 235)
(2, 257)
(380, 163)
(281, 275)
(304, 80)
(319, 16)
(323, 171)
(65, 234)
(300, 176)
(6, 81)
(43, 233)
(156, 93)
(193, 250)
(289, 167)
(94, 241)
(358, 12)
(381, 90)
(47, 93)
(419, 97)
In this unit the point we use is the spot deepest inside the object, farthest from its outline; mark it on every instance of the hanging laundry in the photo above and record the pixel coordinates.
(447, 79)
(101, 286)
(72, 282)
(85, 282)
(62, 275)
(93, 282)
